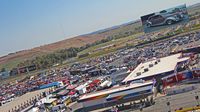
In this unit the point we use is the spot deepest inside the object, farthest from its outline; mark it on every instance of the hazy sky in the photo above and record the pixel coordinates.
(26, 24)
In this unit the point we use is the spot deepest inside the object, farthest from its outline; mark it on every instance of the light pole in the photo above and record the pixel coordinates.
(141, 108)
(168, 104)
(197, 99)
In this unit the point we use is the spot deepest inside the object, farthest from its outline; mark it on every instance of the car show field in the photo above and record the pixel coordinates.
(118, 69)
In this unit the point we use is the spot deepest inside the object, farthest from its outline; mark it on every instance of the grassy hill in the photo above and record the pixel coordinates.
(11, 60)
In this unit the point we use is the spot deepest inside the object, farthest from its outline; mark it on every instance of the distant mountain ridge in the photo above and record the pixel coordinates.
(113, 27)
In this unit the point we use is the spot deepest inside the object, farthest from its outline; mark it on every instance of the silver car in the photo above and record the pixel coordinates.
(163, 19)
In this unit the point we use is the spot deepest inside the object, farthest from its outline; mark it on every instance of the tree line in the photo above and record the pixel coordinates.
(48, 60)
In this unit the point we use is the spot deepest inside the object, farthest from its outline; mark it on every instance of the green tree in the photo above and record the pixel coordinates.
(3, 69)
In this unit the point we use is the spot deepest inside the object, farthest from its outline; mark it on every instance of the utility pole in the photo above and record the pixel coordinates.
(168, 104)
(197, 99)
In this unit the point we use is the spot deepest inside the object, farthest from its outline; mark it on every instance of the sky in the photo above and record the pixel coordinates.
(25, 24)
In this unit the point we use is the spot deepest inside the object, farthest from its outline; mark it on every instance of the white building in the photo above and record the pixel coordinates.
(114, 96)
(156, 67)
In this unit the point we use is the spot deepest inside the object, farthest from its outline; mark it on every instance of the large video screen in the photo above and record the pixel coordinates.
(165, 18)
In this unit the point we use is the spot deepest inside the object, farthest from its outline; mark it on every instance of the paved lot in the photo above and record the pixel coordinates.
(177, 101)
(20, 100)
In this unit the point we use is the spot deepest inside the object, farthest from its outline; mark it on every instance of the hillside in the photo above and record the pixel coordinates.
(11, 60)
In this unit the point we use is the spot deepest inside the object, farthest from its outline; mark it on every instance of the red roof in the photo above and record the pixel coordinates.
(71, 93)
(91, 85)
(96, 81)
(70, 87)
